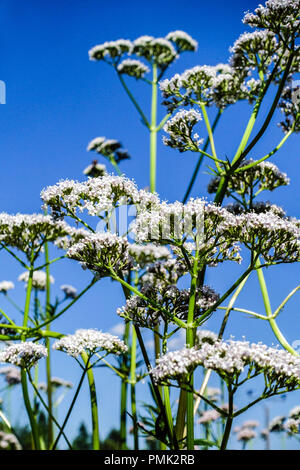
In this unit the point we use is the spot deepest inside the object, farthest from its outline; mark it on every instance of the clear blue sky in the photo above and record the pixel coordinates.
(58, 100)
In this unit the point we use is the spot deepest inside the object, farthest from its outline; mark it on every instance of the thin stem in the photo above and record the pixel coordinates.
(153, 131)
(36, 390)
(250, 165)
(69, 410)
(94, 405)
(48, 346)
(229, 420)
(30, 413)
(190, 335)
(135, 103)
(124, 390)
(210, 134)
(132, 387)
(268, 309)
(200, 160)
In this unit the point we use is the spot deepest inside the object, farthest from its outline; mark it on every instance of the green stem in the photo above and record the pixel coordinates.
(269, 313)
(132, 388)
(135, 103)
(210, 135)
(33, 424)
(200, 160)
(247, 167)
(94, 405)
(124, 390)
(190, 335)
(30, 413)
(69, 410)
(47, 408)
(229, 420)
(153, 131)
(48, 346)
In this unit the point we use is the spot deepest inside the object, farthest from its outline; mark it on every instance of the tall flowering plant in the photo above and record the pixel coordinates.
(175, 244)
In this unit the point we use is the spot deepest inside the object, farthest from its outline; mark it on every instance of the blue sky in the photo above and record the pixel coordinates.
(58, 100)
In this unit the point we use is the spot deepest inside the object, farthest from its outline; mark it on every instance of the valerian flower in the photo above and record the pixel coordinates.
(6, 286)
(133, 68)
(69, 291)
(39, 279)
(95, 195)
(292, 426)
(229, 359)
(157, 50)
(246, 434)
(180, 129)
(257, 50)
(148, 254)
(28, 233)
(279, 16)
(182, 40)
(12, 375)
(90, 341)
(220, 84)
(9, 441)
(25, 354)
(101, 252)
(95, 169)
(265, 175)
(277, 424)
(110, 50)
(208, 416)
(171, 303)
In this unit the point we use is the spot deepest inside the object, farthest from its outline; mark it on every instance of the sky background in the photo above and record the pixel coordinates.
(57, 101)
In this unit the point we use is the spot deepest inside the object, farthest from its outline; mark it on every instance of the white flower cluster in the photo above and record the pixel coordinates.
(208, 416)
(101, 251)
(173, 223)
(69, 291)
(39, 279)
(206, 336)
(12, 375)
(95, 195)
(149, 253)
(133, 68)
(277, 16)
(95, 169)
(159, 50)
(182, 40)
(6, 285)
(180, 130)
(295, 412)
(229, 359)
(219, 231)
(9, 441)
(104, 146)
(91, 341)
(251, 46)
(292, 426)
(25, 354)
(168, 299)
(29, 232)
(277, 424)
(246, 434)
(220, 84)
(155, 50)
(264, 174)
(110, 49)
